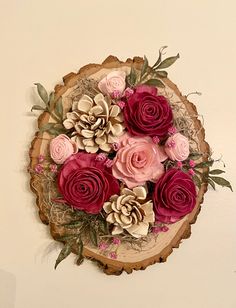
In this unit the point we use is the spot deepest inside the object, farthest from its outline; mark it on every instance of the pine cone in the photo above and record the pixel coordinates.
(130, 212)
(97, 123)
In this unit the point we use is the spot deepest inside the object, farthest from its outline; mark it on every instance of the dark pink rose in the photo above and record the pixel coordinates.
(86, 183)
(147, 113)
(174, 196)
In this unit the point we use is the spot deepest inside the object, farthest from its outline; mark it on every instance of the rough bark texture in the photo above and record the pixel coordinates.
(108, 265)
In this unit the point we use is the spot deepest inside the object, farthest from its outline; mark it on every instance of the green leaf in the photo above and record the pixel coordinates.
(168, 62)
(66, 250)
(132, 77)
(159, 57)
(194, 156)
(205, 164)
(65, 238)
(51, 99)
(103, 226)
(59, 108)
(161, 74)
(42, 93)
(47, 127)
(74, 224)
(197, 181)
(155, 82)
(221, 181)
(144, 67)
(37, 107)
(211, 183)
(93, 236)
(216, 171)
(79, 247)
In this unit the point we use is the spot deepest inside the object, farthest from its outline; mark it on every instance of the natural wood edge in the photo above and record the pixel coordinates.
(114, 267)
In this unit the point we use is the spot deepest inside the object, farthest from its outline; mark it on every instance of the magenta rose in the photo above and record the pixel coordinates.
(174, 196)
(86, 183)
(147, 113)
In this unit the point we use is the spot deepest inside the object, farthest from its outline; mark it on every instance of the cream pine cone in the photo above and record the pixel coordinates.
(130, 212)
(97, 123)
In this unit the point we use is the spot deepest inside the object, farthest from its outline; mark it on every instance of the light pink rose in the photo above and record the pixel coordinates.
(113, 82)
(61, 147)
(177, 147)
(138, 160)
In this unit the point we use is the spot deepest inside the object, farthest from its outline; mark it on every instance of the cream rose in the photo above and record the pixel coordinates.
(177, 147)
(138, 160)
(113, 82)
(61, 147)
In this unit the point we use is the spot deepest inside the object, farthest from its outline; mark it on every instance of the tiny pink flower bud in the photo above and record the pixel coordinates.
(103, 246)
(128, 92)
(53, 168)
(116, 94)
(121, 104)
(171, 144)
(108, 163)
(101, 157)
(38, 169)
(156, 230)
(192, 163)
(191, 172)
(116, 241)
(179, 164)
(156, 139)
(172, 130)
(113, 255)
(41, 158)
(164, 228)
(115, 146)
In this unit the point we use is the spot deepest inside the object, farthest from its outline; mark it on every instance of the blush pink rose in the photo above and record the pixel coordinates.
(86, 183)
(177, 147)
(114, 82)
(174, 196)
(61, 147)
(138, 160)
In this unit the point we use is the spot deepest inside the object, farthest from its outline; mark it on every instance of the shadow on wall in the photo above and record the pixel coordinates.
(7, 289)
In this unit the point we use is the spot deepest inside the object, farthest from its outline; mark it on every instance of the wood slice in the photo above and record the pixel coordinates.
(157, 248)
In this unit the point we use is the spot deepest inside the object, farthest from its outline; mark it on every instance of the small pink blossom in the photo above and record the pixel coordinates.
(38, 169)
(156, 139)
(172, 130)
(179, 164)
(115, 146)
(121, 104)
(108, 163)
(53, 168)
(116, 241)
(116, 94)
(192, 163)
(191, 172)
(113, 255)
(171, 144)
(101, 157)
(103, 246)
(156, 230)
(164, 228)
(41, 158)
(128, 92)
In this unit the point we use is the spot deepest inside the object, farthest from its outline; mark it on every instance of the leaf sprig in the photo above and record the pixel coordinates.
(156, 71)
(84, 226)
(54, 108)
(204, 173)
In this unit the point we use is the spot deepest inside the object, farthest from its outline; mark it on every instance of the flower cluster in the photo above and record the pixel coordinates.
(117, 146)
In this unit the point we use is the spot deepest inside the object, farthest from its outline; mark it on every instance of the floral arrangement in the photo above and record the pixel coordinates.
(119, 161)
